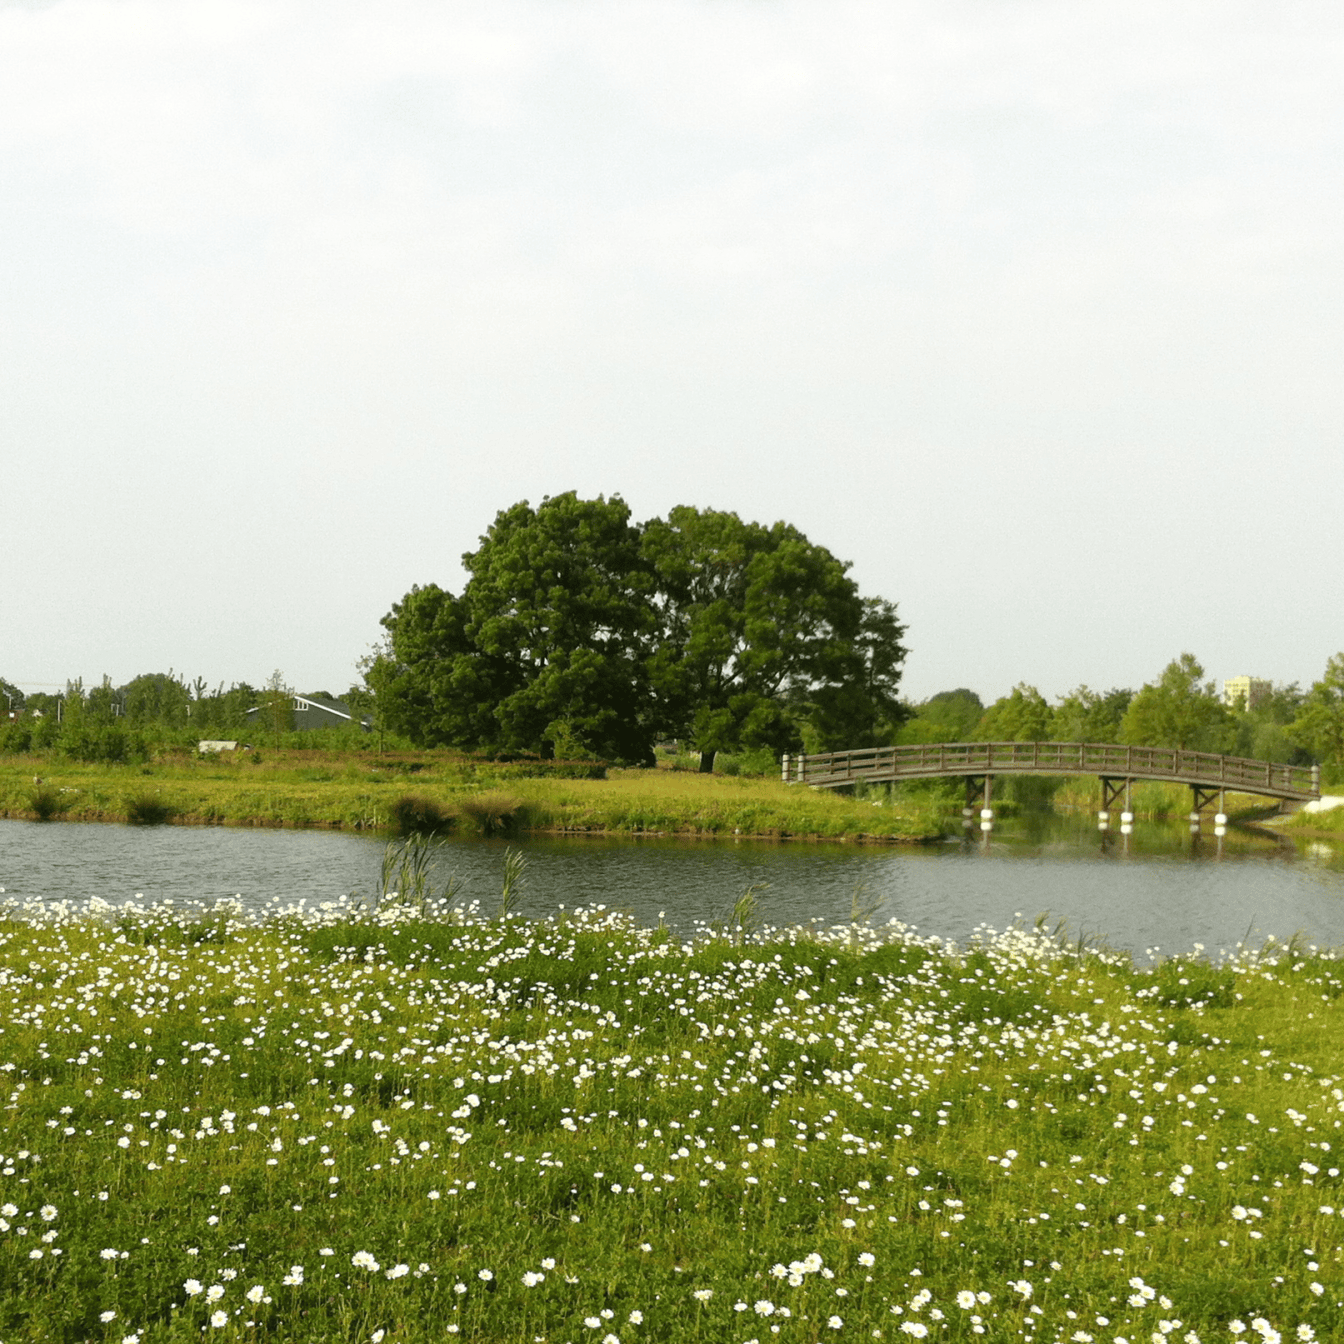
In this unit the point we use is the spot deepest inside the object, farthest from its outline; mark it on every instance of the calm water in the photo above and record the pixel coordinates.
(1158, 893)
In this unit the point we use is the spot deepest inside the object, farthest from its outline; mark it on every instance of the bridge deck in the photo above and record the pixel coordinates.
(834, 769)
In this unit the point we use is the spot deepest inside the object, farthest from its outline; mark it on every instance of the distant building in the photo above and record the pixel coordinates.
(314, 711)
(1249, 692)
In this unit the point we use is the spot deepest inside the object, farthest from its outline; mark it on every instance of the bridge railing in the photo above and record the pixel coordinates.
(835, 768)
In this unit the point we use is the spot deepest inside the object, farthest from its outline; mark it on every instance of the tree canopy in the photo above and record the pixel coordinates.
(1180, 710)
(949, 716)
(1020, 716)
(1319, 724)
(1085, 715)
(579, 629)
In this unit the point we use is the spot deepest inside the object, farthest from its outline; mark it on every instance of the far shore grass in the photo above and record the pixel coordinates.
(370, 791)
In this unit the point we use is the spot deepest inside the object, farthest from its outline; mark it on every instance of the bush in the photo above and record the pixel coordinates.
(17, 738)
(147, 809)
(761, 761)
(494, 813)
(416, 815)
(46, 802)
(108, 744)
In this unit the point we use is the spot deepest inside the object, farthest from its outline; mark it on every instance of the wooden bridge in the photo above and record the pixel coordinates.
(1118, 767)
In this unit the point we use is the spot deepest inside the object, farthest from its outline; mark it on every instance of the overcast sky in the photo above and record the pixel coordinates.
(1032, 311)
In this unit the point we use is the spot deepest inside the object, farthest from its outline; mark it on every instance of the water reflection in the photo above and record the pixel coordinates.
(1157, 888)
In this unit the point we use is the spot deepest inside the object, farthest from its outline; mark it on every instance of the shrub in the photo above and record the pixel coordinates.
(108, 744)
(494, 813)
(413, 814)
(147, 809)
(523, 768)
(761, 761)
(46, 802)
(17, 737)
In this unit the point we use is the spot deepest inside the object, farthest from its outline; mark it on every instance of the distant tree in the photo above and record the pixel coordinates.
(1262, 732)
(11, 696)
(1085, 715)
(1283, 703)
(102, 704)
(277, 706)
(360, 701)
(1319, 724)
(222, 713)
(1023, 715)
(157, 698)
(1180, 710)
(949, 716)
(42, 715)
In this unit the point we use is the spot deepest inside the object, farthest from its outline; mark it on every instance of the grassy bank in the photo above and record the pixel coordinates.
(402, 1127)
(367, 791)
(1328, 823)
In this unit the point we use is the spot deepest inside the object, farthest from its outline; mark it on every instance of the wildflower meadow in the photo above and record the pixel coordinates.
(406, 1123)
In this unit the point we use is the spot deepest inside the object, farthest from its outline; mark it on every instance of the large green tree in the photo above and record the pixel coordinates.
(548, 641)
(1319, 725)
(765, 640)
(578, 628)
(1179, 709)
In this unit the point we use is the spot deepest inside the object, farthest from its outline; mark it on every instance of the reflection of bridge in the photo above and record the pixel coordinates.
(1118, 767)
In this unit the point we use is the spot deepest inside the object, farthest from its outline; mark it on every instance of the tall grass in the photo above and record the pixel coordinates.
(370, 792)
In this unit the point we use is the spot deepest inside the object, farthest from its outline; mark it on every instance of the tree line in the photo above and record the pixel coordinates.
(150, 712)
(1178, 708)
(582, 633)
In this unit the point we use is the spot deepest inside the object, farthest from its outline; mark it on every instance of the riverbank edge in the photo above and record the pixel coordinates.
(103, 817)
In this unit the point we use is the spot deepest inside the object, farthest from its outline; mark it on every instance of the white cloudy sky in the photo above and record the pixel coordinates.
(1031, 309)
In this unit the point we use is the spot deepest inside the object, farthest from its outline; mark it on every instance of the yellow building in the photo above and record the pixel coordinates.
(1246, 691)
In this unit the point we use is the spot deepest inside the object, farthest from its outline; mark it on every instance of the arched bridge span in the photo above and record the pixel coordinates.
(1117, 767)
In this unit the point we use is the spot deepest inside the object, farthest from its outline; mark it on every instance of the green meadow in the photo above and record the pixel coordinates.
(411, 1123)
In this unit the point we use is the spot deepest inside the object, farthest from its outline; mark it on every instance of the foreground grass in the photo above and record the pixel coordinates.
(400, 1127)
(362, 791)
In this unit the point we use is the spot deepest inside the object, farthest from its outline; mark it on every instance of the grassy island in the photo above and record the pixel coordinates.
(406, 1125)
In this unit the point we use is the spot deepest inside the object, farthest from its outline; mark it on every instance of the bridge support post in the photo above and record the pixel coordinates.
(1201, 797)
(1112, 789)
(979, 787)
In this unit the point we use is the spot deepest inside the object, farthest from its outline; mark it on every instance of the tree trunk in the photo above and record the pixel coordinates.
(707, 762)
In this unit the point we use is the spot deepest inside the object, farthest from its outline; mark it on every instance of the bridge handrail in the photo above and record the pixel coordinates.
(1082, 758)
